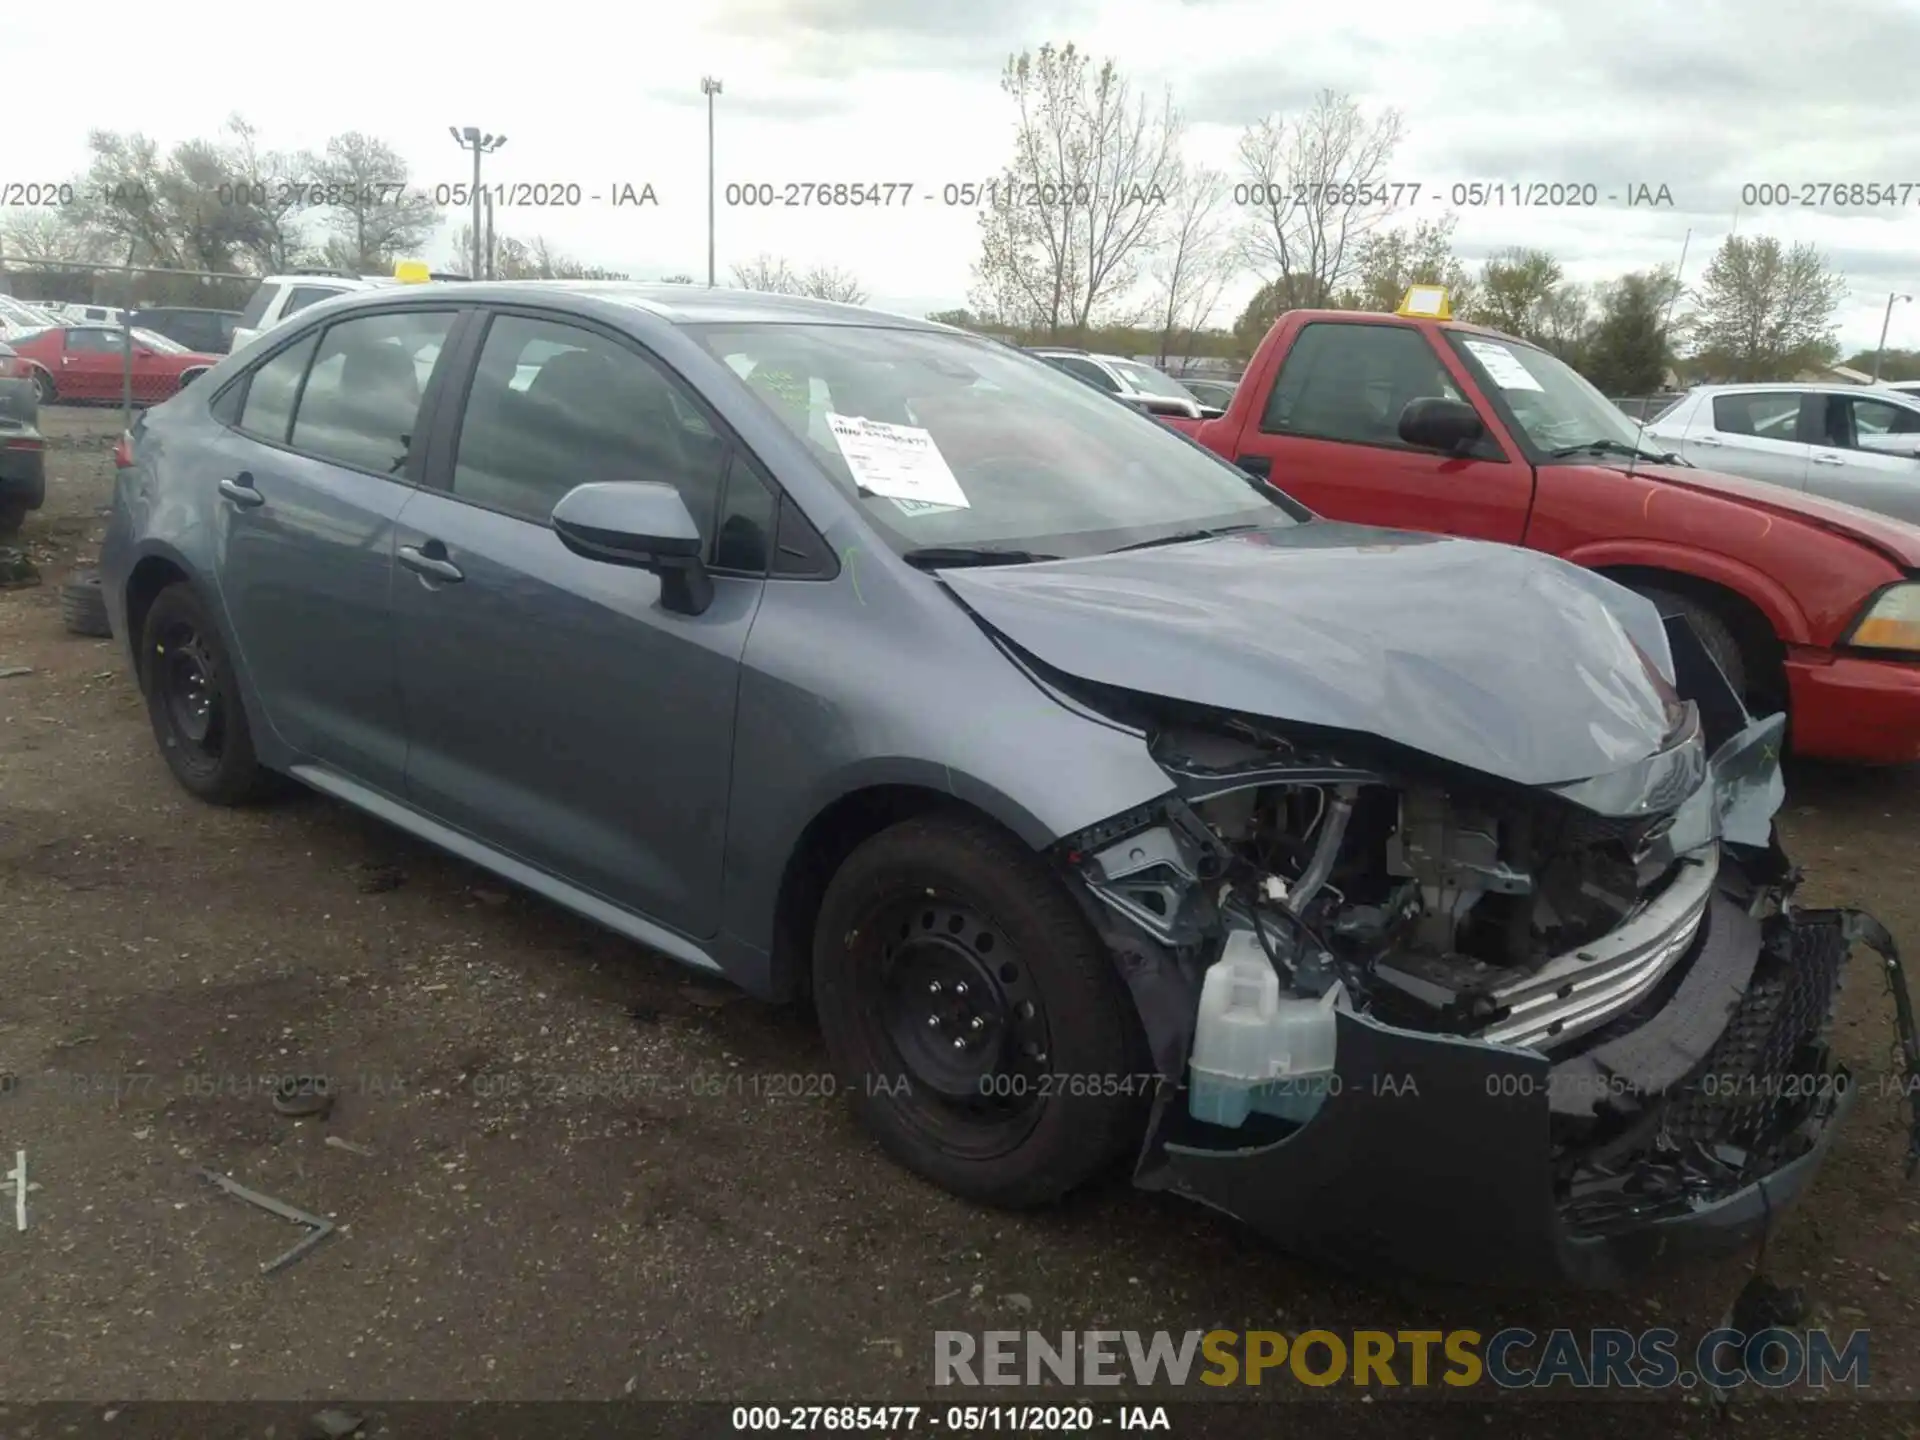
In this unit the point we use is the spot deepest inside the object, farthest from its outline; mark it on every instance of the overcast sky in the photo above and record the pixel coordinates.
(1702, 98)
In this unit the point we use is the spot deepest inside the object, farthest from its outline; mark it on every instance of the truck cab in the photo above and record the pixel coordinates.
(1417, 421)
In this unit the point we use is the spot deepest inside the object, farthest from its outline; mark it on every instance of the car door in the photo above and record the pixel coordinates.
(313, 471)
(1327, 433)
(1872, 458)
(556, 712)
(1759, 434)
(92, 360)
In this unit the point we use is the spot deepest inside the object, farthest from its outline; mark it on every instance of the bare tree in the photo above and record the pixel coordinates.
(1563, 323)
(1766, 312)
(374, 215)
(268, 183)
(825, 282)
(768, 274)
(1318, 185)
(29, 237)
(1195, 261)
(676, 279)
(1067, 226)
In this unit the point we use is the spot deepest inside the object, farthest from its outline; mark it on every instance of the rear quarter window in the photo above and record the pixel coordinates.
(257, 306)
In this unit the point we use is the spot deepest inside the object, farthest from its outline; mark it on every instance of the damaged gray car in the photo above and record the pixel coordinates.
(1414, 900)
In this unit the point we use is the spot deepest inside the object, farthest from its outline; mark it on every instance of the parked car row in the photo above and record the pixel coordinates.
(91, 362)
(1103, 799)
(23, 474)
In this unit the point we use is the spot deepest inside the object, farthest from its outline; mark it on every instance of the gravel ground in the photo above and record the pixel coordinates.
(567, 1171)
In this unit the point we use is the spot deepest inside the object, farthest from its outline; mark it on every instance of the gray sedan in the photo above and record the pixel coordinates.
(1388, 890)
(1850, 443)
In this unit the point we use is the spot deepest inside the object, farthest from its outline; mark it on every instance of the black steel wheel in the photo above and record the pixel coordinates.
(193, 701)
(972, 1016)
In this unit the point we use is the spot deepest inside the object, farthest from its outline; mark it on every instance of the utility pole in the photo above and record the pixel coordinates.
(1885, 320)
(709, 87)
(471, 138)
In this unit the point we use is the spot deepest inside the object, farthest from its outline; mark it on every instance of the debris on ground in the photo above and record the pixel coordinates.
(708, 998)
(9, 671)
(334, 1424)
(303, 1096)
(373, 878)
(17, 1182)
(16, 570)
(320, 1227)
(342, 1144)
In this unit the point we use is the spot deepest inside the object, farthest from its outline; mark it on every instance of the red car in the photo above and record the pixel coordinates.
(1418, 422)
(87, 362)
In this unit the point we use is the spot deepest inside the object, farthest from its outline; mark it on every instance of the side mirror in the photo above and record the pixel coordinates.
(644, 525)
(1437, 424)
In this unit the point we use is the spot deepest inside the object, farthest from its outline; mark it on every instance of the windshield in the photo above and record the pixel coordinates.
(1149, 381)
(953, 441)
(1550, 400)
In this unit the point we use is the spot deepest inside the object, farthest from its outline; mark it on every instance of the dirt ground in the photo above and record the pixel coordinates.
(576, 1174)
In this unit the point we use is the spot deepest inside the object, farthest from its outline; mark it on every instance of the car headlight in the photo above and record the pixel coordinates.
(1891, 622)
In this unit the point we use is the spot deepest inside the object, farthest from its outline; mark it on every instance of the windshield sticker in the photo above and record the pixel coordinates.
(923, 507)
(896, 462)
(1503, 365)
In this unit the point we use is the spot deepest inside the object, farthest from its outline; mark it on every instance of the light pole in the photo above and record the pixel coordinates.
(709, 87)
(1885, 321)
(470, 138)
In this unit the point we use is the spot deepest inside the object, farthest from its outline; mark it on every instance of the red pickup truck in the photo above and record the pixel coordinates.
(1430, 424)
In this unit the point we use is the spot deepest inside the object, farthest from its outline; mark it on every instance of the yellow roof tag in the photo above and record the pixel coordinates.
(1426, 302)
(411, 272)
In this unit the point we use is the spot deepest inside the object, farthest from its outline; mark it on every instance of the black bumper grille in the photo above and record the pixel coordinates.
(1770, 1063)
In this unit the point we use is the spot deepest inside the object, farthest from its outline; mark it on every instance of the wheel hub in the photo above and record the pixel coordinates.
(958, 1006)
(192, 696)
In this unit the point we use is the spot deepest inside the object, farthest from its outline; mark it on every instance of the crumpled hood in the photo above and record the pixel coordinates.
(1896, 539)
(1505, 660)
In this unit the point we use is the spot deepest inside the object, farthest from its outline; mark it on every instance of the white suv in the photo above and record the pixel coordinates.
(282, 296)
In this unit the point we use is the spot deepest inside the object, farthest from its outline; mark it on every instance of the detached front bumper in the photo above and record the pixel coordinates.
(1682, 1131)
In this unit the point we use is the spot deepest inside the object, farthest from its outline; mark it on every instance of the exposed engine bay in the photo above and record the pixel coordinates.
(1509, 914)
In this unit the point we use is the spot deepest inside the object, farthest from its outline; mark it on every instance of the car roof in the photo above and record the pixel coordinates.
(182, 310)
(682, 304)
(1796, 387)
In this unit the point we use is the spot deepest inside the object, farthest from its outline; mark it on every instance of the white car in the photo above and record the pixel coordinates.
(279, 297)
(1855, 443)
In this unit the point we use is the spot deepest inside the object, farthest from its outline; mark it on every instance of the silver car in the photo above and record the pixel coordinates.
(1413, 898)
(1850, 443)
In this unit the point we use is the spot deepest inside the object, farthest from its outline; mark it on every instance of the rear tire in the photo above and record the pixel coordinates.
(193, 702)
(12, 517)
(1714, 632)
(43, 386)
(973, 1018)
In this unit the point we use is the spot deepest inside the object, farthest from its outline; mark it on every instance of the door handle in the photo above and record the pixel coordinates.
(1706, 440)
(240, 490)
(1260, 466)
(1829, 460)
(436, 566)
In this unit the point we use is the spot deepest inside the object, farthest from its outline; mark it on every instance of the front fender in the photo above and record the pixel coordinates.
(1766, 594)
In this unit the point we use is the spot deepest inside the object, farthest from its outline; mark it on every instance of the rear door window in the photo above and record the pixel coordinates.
(1765, 414)
(361, 403)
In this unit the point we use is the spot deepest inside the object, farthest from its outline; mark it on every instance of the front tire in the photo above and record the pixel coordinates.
(972, 1016)
(1714, 632)
(193, 702)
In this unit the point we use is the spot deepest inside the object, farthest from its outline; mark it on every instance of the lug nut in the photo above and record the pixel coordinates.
(960, 987)
(959, 1042)
(934, 988)
(933, 1022)
(978, 1024)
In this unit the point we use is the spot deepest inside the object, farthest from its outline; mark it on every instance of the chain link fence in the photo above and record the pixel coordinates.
(122, 365)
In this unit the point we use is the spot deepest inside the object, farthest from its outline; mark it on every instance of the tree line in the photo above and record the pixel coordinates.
(1145, 241)
(1133, 249)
